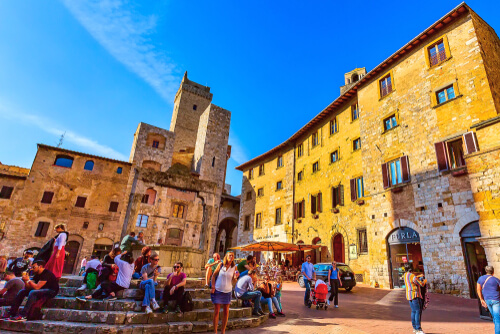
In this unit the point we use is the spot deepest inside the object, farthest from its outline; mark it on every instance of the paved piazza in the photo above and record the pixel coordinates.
(369, 310)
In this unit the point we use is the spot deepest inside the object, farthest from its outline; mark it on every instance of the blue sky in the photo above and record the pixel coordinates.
(95, 69)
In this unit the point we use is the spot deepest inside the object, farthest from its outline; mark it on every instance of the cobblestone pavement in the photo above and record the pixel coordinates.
(369, 310)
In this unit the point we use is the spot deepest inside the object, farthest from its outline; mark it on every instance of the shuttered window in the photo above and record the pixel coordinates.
(357, 188)
(356, 144)
(250, 174)
(396, 172)
(316, 203)
(277, 220)
(333, 126)
(300, 176)
(337, 196)
(261, 170)
(450, 154)
(41, 230)
(362, 241)
(299, 209)
(300, 150)
(47, 197)
(315, 139)
(258, 220)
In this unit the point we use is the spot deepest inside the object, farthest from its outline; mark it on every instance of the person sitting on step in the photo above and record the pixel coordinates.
(91, 267)
(268, 296)
(42, 288)
(174, 289)
(107, 289)
(244, 290)
(210, 267)
(11, 289)
(150, 272)
(141, 261)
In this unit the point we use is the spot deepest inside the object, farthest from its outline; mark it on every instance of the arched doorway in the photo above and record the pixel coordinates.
(474, 255)
(338, 248)
(102, 246)
(221, 246)
(72, 247)
(403, 248)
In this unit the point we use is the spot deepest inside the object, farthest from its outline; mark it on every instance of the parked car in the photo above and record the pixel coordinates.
(346, 275)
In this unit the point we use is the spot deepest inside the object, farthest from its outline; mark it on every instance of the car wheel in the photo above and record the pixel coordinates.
(301, 282)
(348, 288)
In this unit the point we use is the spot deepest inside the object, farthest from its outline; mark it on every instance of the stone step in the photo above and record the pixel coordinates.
(46, 326)
(77, 281)
(130, 318)
(132, 293)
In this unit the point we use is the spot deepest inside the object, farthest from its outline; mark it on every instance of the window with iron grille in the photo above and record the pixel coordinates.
(356, 144)
(333, 126)
(362, 241)
(258, 220)
(280, 161)
(390, 122)
(385, 85)
(6, 192)
(437, 53)
(178, 211)
(334, 156)
(80, 201)
(315, 139)
(315, 166)
(445, 94)
(279, 185)
(260, 192)
(300, 176)
(277, 220)
(300, 150)
(354, 112)
(142, 221)
(41, 230)
(247, 223)
(113, 207)
(261, 170)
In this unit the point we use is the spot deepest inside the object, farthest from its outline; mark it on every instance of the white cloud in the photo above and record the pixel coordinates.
(125, 34)
(238, 152)
(92, 146)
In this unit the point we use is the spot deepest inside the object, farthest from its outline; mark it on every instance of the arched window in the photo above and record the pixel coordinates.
(89, 165)
(355, 77)
(64, 161)
(149, 197)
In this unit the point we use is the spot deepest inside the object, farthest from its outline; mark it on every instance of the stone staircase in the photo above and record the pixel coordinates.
(65, 314)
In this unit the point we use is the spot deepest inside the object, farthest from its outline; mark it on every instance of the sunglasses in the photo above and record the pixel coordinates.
(177, 267)
(155, 259)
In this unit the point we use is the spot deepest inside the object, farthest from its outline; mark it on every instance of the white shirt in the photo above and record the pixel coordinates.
(93, 264)
(84, 262)
(125, 272)
(224, 280)
(61, 241)
(243, 285)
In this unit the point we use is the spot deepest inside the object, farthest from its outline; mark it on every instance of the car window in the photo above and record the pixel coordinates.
(323, 267)
(345, 269)
(315, 267)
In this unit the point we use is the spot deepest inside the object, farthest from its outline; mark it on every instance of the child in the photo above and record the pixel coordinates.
(279, 286)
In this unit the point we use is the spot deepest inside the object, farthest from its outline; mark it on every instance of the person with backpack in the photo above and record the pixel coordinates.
(174, 289)
(56, 262)
(150, 272)
(488, 291)
(90, 274)
(413, 284)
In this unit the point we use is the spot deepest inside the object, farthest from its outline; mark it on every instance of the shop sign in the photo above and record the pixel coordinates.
(403, 235)
(268, 237)
(353, 252)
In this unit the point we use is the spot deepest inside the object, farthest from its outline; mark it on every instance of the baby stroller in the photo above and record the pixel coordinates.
(318, 295)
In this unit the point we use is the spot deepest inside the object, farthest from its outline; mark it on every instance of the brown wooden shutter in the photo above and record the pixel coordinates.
(470, 142)
(303, 208)
(334, 191)
(405, 168)
(354, 195)
(313, 204)
(340, 193)
(385, 175)
(320, 203)
(295, 210)
(45, 229)
(442, 157)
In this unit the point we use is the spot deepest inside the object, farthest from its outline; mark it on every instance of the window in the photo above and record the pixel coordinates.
(356, 144)
(456, 154)
(80, 201)
(85, 225)
(250, 174)
(246, 227)
(385, 85)
(315, 166)
(280, 161)
(145, 199)
(357, 188)
(396, 172)
(89, 165)
(6, 192)
(258, 220)
(47, 197)
(174, 233)
(178, 211)
(450, 154)
(249, 195)
(260, 192)
(113, 207)
(334, 156)
(64, 161)
(156, 143)
(316, 203)
(337, 196)
(299, 209)
(362, 241)
(354, 112)
(279, 185)
(300, 150)
(315, 139)
(41, 230)
(261, 170)
(445, 94)
(142, 221)
(100, 227)
(195, 107)
(277, 220)
(333, 126)
(390, 122)
(300, 176)
(213, 162)
(437, 53)
(119, 170)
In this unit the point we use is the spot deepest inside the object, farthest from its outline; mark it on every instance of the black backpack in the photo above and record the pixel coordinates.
(187, 304)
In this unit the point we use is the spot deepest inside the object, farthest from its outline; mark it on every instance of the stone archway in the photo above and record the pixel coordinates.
(228, 226)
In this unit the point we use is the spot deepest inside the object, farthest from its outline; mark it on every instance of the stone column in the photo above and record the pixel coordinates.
(491, 246)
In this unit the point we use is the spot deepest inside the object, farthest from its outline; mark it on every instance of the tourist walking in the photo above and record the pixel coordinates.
(222, 286)
(244, 290)
(150, 272)
(308, 274)
(56, 261)
(83, 265)
(488, 291)
(141, 261)
(174, 289)
(42, 288)
(268, 296)
(334, 282)
(414, 297)
(210, 267)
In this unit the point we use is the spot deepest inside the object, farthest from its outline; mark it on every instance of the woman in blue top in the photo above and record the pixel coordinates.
(335, 282)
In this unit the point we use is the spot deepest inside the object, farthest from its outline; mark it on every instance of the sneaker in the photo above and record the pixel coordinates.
(272, 315)
(261, 312)
(336, 306)
(178, 309)
(17, 318)
(419, 331)
(154, 304)
(110, 298)
(256, 314)
(83, 287)
(281, 314)
(81, 299)
(148, 310)
(328, 302)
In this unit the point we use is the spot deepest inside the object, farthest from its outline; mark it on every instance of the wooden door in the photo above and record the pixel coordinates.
(338, 248)
(72, 247)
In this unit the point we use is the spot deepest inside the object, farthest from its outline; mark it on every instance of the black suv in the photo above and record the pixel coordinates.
(346, 273)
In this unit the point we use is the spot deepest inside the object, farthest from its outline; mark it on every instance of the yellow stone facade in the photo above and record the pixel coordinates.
(440, 90)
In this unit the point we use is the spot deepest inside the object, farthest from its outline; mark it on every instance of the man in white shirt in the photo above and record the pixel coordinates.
(244, 290)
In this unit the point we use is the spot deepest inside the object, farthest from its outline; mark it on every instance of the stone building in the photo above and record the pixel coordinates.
(172, 189)
(401, 168)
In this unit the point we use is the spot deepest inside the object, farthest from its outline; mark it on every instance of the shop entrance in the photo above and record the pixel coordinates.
(403, 248)
(338, 248)
(474, 255)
